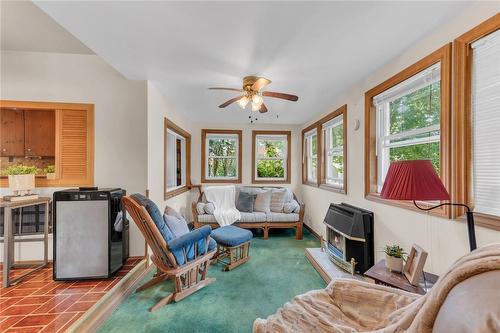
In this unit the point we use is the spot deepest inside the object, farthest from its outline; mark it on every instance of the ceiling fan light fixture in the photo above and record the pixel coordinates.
(243, 102)
(257, 99)
(256, 107)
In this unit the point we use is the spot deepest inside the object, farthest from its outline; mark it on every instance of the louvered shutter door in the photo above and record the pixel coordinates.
(75, 155)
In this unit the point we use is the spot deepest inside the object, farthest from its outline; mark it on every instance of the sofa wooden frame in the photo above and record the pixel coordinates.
(265, 226)
(188, 278)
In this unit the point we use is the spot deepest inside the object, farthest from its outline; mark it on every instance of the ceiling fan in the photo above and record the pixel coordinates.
(251, 92)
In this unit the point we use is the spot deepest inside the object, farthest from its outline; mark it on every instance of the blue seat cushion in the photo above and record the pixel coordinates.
(230, 236)
(211, 244)
(155, 214)
(186, 243)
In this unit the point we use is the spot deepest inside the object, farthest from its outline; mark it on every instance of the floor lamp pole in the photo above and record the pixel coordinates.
(470, 220)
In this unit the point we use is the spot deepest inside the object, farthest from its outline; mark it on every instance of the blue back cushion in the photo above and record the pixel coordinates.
(155, 214)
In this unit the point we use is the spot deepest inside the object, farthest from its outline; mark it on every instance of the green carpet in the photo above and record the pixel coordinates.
(277, 271)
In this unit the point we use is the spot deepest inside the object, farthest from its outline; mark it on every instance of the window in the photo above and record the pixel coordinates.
(485, 103)
(325, 151)
(477, 74)
(408, 121)
(271, 156)
(221, 156)
(407, 117)
(335, 147)
(311, 156)
(177, 160)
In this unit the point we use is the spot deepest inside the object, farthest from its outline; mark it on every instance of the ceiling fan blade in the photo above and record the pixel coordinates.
(260, 83)
(232, 100)
(263, 108)
(232, 89)
(280, 95)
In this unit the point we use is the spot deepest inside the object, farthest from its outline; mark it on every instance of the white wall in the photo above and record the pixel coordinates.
(120, 117)
(159, 108)
(445, 240)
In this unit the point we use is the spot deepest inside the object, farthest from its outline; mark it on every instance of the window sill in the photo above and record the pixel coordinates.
(270, 181)
(332, 188)
(222, 181)
(484, 220)
(310, 184)
(443, 212)
(176, 192)
(42, 181)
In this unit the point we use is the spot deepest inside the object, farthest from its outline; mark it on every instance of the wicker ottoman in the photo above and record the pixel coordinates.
(233, 245)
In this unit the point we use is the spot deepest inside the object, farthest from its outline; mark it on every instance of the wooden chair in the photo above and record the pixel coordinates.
(189, 277)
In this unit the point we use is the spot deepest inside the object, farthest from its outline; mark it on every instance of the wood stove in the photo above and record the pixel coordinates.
(349, 237)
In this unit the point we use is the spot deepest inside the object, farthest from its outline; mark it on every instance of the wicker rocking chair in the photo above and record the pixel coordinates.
(172, 258)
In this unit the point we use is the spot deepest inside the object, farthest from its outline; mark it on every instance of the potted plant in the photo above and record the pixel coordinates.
(50, 172)
(21, 178)
(394, 255)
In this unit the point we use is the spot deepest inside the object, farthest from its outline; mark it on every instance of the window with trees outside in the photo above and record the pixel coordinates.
(408, 121)
(407, 117)
(333, 134)
(177, 160)
(271, 156)
(221, 156)
(311, 156)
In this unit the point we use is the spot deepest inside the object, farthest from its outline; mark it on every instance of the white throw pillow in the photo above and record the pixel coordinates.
(200, 208)
(278, 200)
(210, 208)
(291, 207)
(263, 202)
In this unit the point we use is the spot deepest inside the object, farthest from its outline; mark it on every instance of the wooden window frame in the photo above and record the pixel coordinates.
(288, 158)
(320, 182)
(169, 125)
(442, 55)
(305, 179)
(59, 108)
(342, 111)
(462, 124)
(204, 133)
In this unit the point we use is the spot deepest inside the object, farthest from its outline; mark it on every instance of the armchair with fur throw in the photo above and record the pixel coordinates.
(465, 299)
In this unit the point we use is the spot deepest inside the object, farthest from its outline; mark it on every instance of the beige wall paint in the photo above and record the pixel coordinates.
(445, 240)
(159, 108)
(120, 117)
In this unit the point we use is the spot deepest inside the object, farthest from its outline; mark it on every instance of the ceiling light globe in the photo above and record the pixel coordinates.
(243, 102)
(256, 107)
(257, 99)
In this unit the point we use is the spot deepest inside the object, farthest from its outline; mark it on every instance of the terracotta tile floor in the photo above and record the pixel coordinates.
(40, 304)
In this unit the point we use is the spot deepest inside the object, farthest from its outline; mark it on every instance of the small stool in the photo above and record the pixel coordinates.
(232, 242)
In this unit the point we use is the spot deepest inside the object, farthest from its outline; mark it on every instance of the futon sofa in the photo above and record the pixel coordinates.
(290, 216)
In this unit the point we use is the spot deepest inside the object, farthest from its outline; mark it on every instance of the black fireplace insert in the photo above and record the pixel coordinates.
(349, 237)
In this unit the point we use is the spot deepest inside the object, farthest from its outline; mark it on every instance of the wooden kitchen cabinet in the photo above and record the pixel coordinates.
(11, 132)
(39, 133)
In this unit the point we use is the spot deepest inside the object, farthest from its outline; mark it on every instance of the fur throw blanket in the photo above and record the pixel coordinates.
(348, 305)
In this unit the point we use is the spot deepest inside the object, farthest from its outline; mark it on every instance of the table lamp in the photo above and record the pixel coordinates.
(418, 181)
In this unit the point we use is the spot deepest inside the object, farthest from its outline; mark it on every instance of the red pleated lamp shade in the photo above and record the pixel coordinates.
(413, 180)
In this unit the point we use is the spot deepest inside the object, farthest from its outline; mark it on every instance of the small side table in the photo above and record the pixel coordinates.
(8, 236)
(383, 276)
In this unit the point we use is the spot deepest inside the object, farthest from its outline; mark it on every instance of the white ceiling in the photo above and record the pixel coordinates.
(315, 50)
(24, 27)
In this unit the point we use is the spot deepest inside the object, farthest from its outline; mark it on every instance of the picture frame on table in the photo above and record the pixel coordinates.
(414, 265)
